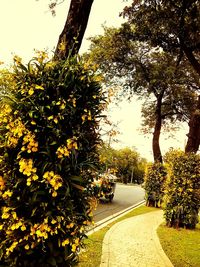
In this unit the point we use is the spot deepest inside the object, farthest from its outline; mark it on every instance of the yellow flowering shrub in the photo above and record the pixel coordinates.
(154, 182)
(49, 139)
(182, 196)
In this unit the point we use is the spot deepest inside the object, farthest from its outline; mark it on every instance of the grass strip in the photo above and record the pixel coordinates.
(182, 246)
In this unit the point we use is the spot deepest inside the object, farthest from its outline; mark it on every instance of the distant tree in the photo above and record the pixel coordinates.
(130, 165)
(126, 163)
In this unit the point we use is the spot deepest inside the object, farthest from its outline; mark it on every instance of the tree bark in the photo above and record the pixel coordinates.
(157, 155)
(70, 39)
(193, 141)
(190, 56)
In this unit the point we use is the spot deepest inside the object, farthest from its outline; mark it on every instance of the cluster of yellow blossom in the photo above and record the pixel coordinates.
(72, 99)
(53, 118)
(54, 180)
(62, 151)
(7, 194)
(65, 150)
(5, 212)
(11, 248)
(61, 103)
(15, 130)
(5, 113)
(29, 143)
(75, 244)
(2, 183)
(30, 89)
(26, 167)
(14, 224)
(87, 115)
(41, 56)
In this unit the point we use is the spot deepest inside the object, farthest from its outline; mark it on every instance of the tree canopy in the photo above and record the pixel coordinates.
(172, 25)
(152, 74)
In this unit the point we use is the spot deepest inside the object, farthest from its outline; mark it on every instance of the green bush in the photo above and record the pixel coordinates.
(182, 199)
(155, 177)
(49, 135)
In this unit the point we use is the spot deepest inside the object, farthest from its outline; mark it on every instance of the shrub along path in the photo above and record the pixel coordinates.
(134, 242)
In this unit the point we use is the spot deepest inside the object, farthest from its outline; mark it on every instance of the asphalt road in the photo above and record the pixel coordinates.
(125, 196)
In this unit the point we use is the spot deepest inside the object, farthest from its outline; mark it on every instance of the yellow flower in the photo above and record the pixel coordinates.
(54, 194)
(74, 248)
(53, 221)
(39, 87)
(5, 215)
(23, 228)
(31, 91)
(27, 247)
(54, 180)
(28, 182)
(62, 151)
(2, 183)
(65, 242)
(55, 120)
(6, 194)
(62, 46)
(26, 166)
(50, 118)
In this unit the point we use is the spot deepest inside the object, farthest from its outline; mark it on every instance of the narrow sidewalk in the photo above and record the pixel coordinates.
(134, 242)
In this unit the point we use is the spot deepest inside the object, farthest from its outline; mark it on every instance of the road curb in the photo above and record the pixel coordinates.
(97, 226)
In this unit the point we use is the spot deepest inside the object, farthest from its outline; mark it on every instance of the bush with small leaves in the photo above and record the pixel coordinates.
(154, 182)
(49, 138)
(182, 199)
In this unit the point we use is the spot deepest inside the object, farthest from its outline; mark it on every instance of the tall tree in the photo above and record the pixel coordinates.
(175, 27)
(148, 73)
(70, 39)
(194, 130)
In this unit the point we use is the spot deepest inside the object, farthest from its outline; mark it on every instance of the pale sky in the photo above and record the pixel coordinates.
(27, 25)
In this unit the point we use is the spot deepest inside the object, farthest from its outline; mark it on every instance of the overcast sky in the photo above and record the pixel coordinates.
(27, 25)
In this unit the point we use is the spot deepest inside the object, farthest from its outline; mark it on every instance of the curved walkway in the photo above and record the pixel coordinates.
(133, 242)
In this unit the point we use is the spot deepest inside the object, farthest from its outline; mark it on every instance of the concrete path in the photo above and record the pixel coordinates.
(133, 242)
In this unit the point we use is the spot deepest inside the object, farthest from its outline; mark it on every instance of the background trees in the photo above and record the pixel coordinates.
(126, 163)
(174, 27)
(151, 74)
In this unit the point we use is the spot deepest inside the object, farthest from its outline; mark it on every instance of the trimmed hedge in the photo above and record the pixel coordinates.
(182, 199)
(155, 177)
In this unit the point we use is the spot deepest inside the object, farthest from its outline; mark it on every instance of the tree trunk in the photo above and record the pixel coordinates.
(193, 61)
(193, 141)
(156, 134)
(70, 39)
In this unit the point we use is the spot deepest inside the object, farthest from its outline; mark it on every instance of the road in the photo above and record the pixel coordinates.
(125, 196)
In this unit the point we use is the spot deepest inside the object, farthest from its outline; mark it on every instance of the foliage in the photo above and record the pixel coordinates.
(48, 142)
(126, 163)
(182, 199)
(154, 184)
(172, 25)
(167, 89)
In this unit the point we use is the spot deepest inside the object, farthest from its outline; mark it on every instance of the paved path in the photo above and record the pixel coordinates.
(133, 242)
